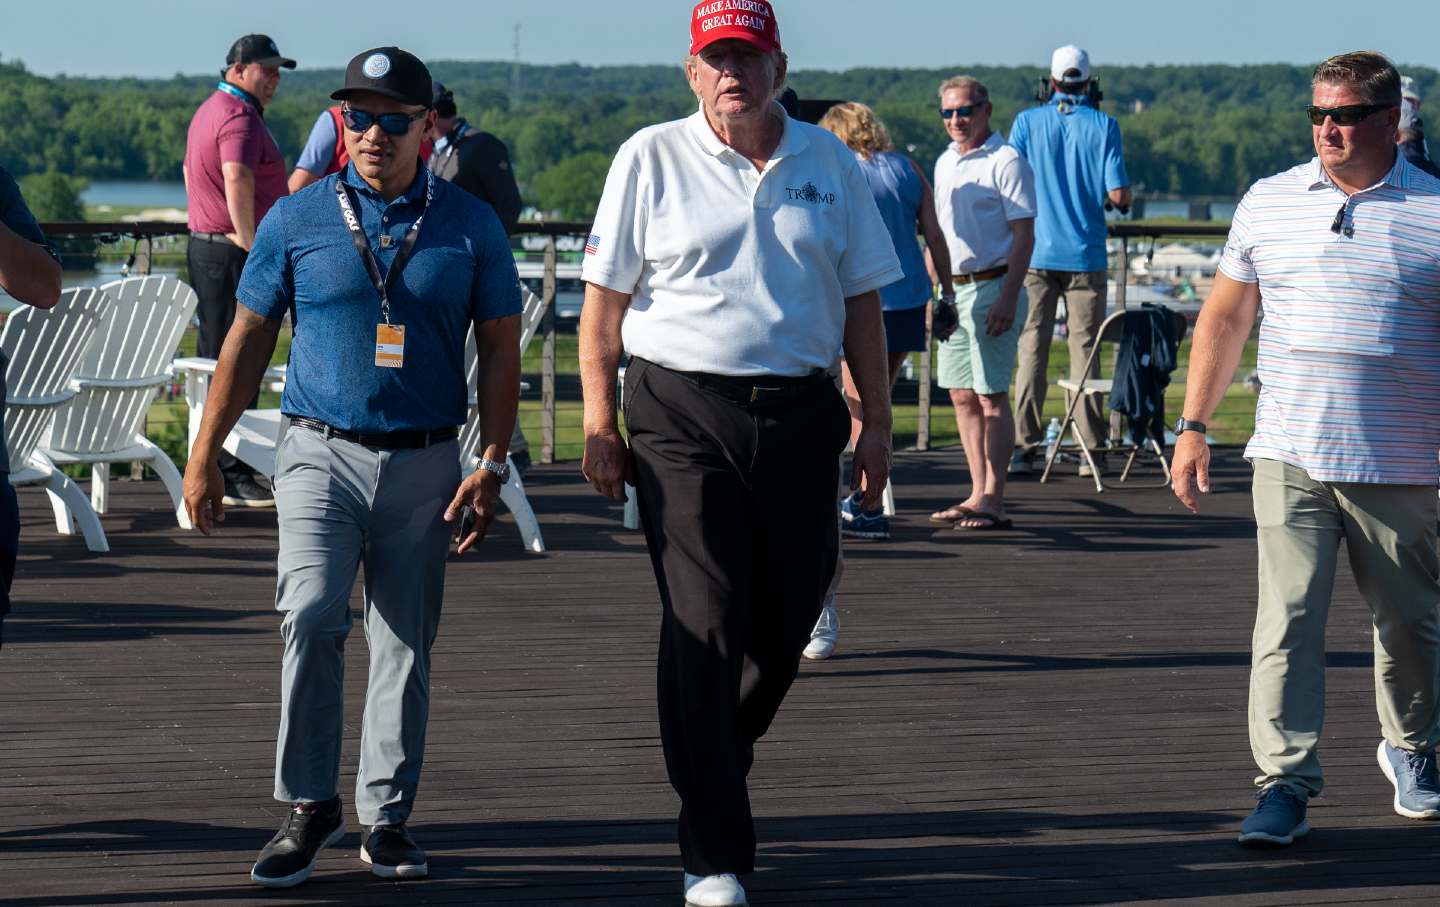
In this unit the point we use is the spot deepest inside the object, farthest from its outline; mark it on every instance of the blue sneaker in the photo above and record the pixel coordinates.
(862, 524)
(1278, 819)
(1416, 780)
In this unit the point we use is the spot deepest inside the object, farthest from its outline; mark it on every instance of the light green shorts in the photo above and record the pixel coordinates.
(971, 359)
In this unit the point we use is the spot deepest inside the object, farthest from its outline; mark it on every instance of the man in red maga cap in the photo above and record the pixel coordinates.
(734, 252)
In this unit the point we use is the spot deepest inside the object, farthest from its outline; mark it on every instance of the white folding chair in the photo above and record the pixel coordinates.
(126, 364)
(45, 348)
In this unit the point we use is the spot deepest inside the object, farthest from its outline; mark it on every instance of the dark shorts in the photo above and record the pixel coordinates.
(905, 330)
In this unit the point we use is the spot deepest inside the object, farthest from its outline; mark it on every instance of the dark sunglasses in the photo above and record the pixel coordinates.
(390, 123)
(966, 111)
(1348, 115)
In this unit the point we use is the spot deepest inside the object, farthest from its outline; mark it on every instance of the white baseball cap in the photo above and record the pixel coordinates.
(1067, 61)
(1407, 88)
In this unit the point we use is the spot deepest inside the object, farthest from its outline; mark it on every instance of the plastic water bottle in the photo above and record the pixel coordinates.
(1052, 437)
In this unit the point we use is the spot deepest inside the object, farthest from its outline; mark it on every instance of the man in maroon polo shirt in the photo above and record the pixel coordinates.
(233, 174)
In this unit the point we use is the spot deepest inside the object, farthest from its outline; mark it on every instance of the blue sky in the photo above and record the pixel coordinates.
(163, 37)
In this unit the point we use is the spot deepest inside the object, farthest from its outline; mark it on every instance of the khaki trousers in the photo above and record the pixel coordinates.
(1389, 535)
(1084, 294)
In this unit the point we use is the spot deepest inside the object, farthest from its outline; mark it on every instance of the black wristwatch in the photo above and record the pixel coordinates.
(501, 470)
(1183, 425)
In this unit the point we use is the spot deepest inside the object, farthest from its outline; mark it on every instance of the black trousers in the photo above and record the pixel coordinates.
(215, 274)
(738, 505)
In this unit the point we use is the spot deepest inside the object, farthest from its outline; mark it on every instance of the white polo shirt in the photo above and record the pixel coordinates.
(731, 270)
(977, 194)
(1349, 355)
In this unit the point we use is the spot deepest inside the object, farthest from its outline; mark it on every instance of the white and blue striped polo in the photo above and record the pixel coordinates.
(1349, 354)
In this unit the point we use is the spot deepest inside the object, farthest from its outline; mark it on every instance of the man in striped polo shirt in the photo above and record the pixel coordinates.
(1343, 255)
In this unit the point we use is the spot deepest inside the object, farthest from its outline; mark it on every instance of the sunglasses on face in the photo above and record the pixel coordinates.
(965, 111)
(390, 123)
(1348, 115)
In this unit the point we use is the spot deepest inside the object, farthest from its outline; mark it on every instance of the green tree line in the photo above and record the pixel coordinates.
(1195, 130)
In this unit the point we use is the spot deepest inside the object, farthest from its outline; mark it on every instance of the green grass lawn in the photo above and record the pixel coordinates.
(1232, 424)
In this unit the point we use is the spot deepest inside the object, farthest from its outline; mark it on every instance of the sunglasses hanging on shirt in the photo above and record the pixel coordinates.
(1339, 226)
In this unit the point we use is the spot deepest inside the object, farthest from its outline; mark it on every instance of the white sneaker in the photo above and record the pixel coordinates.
(714, 891)
(825, 634)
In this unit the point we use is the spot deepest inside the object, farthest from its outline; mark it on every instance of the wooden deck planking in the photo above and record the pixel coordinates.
(1049, 715)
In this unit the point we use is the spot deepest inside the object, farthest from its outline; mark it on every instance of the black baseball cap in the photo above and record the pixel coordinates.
(257, 49)
(443, 100)
(389, 71)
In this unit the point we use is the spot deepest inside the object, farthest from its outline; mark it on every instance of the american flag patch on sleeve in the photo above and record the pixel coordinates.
(592, 245)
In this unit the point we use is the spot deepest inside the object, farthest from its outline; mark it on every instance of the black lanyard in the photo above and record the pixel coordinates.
(346, 198)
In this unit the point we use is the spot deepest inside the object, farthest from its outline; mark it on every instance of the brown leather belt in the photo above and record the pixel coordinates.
(976, 277)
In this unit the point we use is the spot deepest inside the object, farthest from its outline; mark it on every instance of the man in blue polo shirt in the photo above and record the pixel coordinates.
(369, 470)
(1075, 152)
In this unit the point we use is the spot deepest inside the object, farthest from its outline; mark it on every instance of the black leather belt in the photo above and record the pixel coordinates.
(756, 390)
(394, 440)
(213, 237)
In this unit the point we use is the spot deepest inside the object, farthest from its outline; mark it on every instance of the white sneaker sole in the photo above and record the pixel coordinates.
(1389, 772)
(819, 650)
(296, 878)
(1261, 838)
(247, 502)
(403, 871)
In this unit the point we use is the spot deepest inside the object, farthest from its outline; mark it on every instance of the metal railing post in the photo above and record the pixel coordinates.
(547, 357)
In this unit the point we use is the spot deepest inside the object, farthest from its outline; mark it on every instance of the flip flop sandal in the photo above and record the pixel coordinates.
(989, 522)
(940, 520)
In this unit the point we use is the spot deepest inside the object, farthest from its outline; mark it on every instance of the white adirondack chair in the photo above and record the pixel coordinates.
(121, 373)
(512, 493)
(257, 434)
(45, 348)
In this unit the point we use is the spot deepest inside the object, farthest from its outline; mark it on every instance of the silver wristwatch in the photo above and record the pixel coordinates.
(501, 470)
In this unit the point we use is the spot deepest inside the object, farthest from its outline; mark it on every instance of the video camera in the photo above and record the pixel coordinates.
(1093, 94)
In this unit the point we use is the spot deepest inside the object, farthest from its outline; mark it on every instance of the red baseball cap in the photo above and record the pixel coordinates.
(747, 20)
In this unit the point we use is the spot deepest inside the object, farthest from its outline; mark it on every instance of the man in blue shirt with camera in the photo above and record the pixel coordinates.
(384, 269)
(1079, 166)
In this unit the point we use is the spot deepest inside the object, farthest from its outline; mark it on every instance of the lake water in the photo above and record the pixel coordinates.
(134, 192)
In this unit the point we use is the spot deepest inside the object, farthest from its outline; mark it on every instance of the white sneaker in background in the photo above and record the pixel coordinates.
(714, 891)
(825, 634)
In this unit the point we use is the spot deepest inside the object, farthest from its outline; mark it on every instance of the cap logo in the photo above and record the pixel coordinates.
(375, 66)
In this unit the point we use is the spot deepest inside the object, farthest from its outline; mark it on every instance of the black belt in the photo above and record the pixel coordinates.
(755, 390)
(394, 440)
(213, 237)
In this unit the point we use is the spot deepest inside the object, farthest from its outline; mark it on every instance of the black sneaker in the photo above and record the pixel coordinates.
(393, 854)
(290, 856)
(246, 492)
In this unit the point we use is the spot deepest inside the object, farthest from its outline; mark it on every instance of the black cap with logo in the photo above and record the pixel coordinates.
(257, 49)
(391, 72)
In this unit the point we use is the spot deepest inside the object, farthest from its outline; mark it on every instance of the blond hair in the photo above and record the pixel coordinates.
(978, 92)
(858, 127)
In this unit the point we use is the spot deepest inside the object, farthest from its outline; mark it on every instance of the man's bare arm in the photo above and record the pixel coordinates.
(865, 356)
(28, 271)
(1224, 325)
(243, 360)
(607, 460)
(300, 178)
(240, 202)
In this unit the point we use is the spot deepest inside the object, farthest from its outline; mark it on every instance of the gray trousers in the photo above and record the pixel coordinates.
(1389, 534)
(1084, 311)
(343, 506)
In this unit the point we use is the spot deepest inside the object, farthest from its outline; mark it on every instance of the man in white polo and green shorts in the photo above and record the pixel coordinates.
(985, 199)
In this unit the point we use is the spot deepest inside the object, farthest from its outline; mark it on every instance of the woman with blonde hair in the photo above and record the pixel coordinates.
(906, 204)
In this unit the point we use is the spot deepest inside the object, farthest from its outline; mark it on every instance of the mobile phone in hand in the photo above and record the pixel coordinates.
(467, 521)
